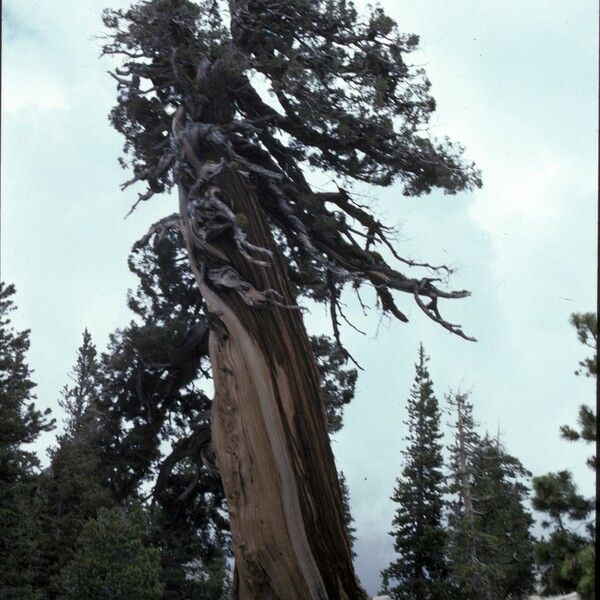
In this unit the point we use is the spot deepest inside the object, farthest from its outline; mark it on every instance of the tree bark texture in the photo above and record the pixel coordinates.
(269, 429)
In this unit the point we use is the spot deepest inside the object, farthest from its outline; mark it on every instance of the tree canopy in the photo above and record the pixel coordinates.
(341, 96)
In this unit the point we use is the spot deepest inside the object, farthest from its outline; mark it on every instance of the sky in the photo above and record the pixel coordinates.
(515, 82)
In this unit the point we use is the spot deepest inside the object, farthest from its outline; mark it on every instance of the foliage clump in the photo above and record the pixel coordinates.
(342, 97)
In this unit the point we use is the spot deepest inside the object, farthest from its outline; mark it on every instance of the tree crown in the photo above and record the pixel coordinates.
(343, 98)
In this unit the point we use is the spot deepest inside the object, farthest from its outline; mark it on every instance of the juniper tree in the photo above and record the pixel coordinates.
(152, 401)
(490, 547)
(258, 236)
(21, 423)
(420, 571)
(155, 370)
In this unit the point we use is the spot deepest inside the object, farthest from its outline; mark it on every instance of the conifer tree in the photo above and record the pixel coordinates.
(21, 423)
(258, 235)
(156, 431)
(420, 571)
(490, 546)
(500, 497)
(556, 555)
(586, 325)
(113, 559)
(348, 518)
(563, 557)
(468, 573)
(73, 488)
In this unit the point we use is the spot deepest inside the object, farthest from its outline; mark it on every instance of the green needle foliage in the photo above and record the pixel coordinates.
(113, 560)
(500, 512)
(21, 423)
(565, 556)
(420, 572)
(556, 495)
(73, 487)
(586, 325)
(342, 96)
(348, 518)
(490, 547)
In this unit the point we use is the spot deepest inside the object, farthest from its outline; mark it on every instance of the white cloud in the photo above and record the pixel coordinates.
(528, 192)
(21, 90)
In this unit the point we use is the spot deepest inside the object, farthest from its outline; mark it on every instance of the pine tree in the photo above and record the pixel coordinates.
(581, 568)
(556, 495)
(258, 235)
(123, 409)
(156, 428)
(337, 381)
(563, 557)
(419, 538)
(586, 325)
(469, 575)
(80, 401)
(21, 423)
(490, 546)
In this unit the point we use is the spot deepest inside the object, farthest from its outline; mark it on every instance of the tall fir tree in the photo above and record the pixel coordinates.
(88, 474)
(21, 423)
(73, 488)
(500, 508)
(490, 546)
(468, 574)
(420, 571)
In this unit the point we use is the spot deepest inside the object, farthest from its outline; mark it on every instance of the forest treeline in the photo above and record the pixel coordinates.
(463, 528)
(129, 502)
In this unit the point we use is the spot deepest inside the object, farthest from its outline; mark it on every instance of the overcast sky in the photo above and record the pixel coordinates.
(515, 81)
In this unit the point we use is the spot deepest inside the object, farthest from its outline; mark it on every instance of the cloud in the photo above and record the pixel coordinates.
(522, 192)
(30, 79)
(15, 27)
(21, 91)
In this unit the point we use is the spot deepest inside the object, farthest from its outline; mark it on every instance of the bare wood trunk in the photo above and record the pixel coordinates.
(269, 432)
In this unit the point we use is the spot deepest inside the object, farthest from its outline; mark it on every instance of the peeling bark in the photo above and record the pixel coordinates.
(269, 427)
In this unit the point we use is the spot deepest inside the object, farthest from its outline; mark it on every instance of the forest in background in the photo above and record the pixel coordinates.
(130, 504)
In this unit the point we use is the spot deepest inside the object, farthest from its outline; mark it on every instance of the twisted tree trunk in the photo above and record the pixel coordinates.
(269, 426)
